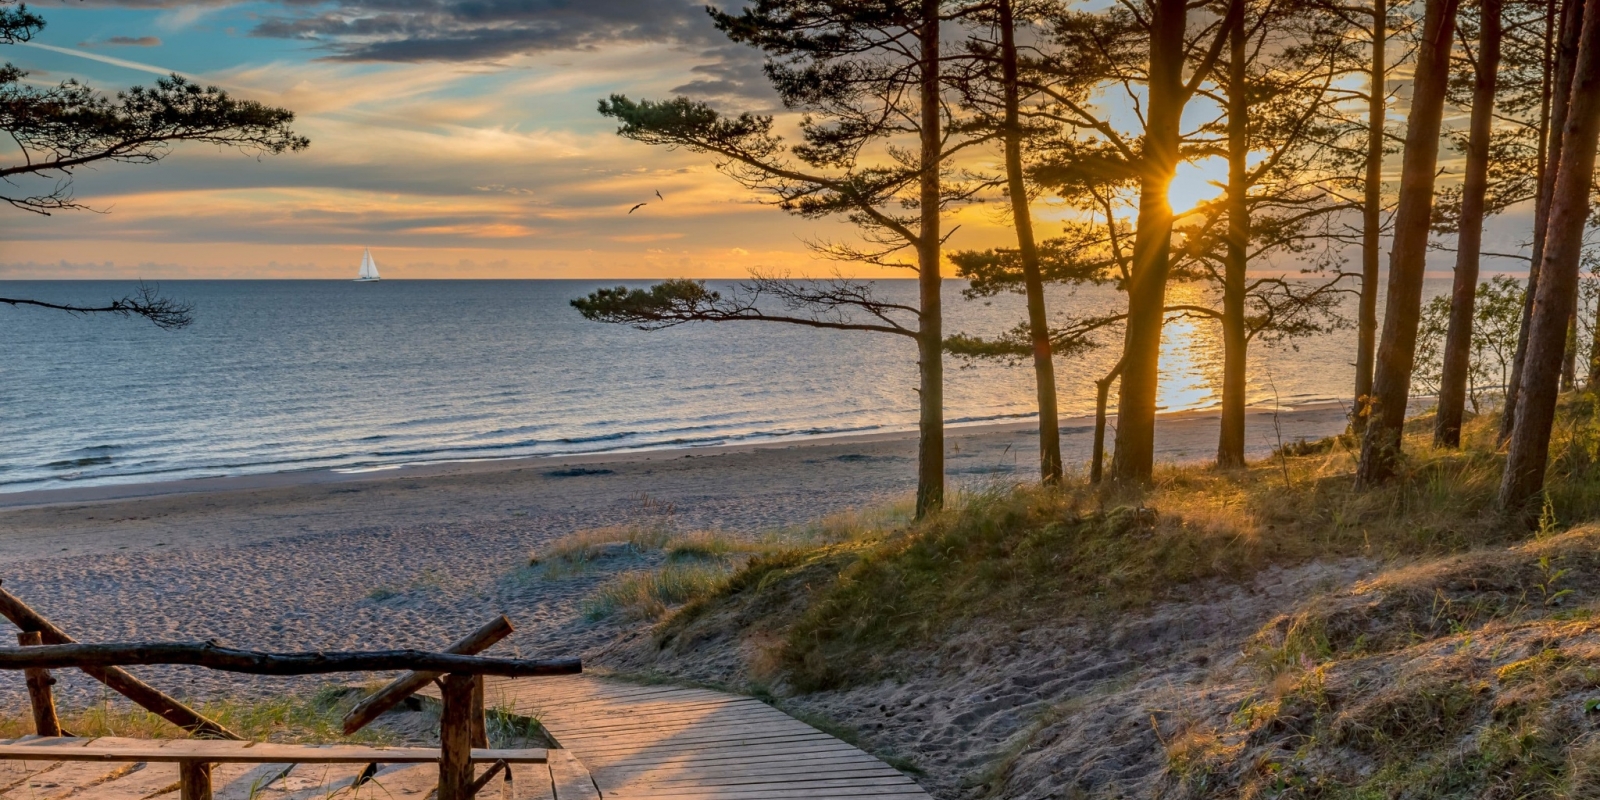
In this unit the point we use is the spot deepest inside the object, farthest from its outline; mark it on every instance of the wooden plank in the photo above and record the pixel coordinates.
(217, 751)
(676, 699)
(689, 733)
(714, 743)
(570, 779)
(805, 763)
(693, 744)
(845, 778)
(531, 782)
(243, 781)
(64, 780)
(589, 710)
(798, 790)
(313, 782)
(605, 724)
(765, 751)
(660, 790)
(787, 794)
(399, 782)
(601, 712)
(15, 772)
(145, 780)
(730, 772)
(821, 766)
(650, 695)
(665, 715)
(567, 688)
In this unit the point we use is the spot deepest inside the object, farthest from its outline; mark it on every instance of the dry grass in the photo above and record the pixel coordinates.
(697, 565)
(314, 719)
(580, 551)
(1468, 667)
(649, 594)
(874, 583)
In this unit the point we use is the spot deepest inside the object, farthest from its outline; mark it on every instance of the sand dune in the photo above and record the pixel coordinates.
(416, 556)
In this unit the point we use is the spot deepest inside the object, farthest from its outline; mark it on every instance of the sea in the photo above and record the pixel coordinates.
(305, 375)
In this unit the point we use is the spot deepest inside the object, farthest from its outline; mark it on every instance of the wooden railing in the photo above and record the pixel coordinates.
(459, 673)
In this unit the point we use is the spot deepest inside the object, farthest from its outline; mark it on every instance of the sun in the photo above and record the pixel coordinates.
(1197, 182)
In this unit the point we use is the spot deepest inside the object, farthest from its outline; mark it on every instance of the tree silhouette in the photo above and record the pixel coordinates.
(61, 129)
(875, 139)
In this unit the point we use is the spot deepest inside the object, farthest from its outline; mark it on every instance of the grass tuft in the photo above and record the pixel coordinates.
(292, 719)
(648, 594)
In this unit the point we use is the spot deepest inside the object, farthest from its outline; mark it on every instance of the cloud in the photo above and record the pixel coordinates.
(416, 31)
(124, 41)
(475, 30)
(731, 72)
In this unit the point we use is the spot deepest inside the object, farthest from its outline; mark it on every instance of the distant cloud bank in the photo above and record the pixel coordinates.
(124, 41)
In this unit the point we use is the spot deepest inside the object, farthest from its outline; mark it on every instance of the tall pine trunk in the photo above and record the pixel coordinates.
(1475, 185)
(1133, 460)
(1557, 298)
(1570, 27)
(930, 349)
(1569, 354)
(1235, 339)
(1371, 220)
(1391, 382)
(1044, 371)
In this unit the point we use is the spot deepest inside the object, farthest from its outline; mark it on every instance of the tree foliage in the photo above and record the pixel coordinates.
(61, 129)
(1496, 318)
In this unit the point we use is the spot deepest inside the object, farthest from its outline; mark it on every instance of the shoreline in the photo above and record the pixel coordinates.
(413, 557)
(327, 476)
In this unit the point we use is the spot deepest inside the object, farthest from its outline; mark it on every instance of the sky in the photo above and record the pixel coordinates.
(456, 138)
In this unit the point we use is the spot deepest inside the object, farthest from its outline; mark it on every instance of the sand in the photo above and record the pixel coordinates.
(419, 555)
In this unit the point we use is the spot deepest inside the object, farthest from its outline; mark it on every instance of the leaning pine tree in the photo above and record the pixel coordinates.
(1556, 295)
(868, 78)
(1391, 385)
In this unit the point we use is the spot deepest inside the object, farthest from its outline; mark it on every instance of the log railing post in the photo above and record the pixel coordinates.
(478, 715)
(406, 685)
(455, 738)
(194, 780)
(43, 700)
(116, 678)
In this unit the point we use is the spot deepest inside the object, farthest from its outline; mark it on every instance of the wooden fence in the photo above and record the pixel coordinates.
(458, 671)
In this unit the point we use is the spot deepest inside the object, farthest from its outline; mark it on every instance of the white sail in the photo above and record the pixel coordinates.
(369, 267)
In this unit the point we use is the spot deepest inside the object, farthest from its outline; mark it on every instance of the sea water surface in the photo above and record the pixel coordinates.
(293, 375)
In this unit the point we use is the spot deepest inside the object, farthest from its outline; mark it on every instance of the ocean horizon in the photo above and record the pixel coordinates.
(284, 375)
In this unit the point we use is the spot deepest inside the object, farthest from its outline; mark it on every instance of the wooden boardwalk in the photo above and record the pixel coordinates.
(562, 779)
(693, 744)
(619, 742)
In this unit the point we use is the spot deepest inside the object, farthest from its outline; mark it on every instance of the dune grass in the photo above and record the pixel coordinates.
(860, 589)
(674, 568)
(294, 719)
(1468, 667)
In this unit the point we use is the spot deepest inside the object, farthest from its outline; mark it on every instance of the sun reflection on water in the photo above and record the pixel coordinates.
(1191, 357)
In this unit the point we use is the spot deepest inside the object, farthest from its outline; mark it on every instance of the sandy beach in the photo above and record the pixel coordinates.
(415, 556)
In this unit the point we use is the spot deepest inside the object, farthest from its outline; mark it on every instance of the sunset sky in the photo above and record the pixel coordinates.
(457, 138)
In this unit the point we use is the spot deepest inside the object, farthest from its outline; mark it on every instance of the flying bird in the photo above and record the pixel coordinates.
(658, 194)
(637, 207)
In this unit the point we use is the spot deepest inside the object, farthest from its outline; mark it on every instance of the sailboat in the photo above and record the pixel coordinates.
(369, 268)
